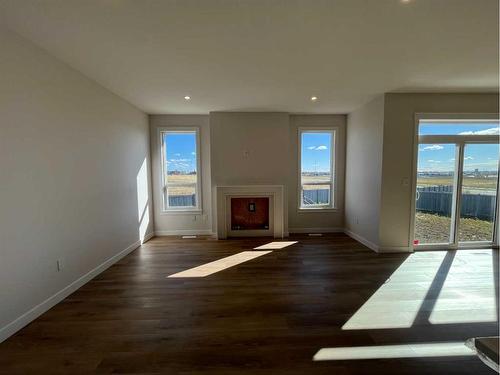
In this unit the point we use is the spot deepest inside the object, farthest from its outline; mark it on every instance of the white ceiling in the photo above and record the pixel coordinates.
(266, 55)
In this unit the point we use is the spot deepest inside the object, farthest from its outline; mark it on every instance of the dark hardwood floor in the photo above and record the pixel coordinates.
(269, 315)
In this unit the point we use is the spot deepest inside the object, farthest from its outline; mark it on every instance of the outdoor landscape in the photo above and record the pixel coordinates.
(316, 174)
(177, 177)
(435, 228)
(316, 181)
(437, 165)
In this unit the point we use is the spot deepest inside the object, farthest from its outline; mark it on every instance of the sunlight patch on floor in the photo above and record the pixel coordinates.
(421, 350)
(221, 264)
(468, 293)
(276, 245)
(397, 302)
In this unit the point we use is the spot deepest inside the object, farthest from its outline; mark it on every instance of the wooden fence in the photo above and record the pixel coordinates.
(318, 196)
(438, 200)
(431, 199)
(182, 200)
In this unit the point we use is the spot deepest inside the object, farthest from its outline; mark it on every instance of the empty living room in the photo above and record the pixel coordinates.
(231, 187)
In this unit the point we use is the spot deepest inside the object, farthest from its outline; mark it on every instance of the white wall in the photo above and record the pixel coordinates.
(399, 130)
(250, 148)
(261, 148)
(74, 179)
(239, 148)
(320, 221)
(181, 223)
(365, 128)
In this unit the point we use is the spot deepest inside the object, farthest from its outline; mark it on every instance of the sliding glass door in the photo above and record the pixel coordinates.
(456, 186)
(478, 195)
(436, 184)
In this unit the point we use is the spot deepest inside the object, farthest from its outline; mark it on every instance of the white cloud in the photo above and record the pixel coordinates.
(193, 153)
(177, 154)
(468, 158)
(452, 159)
(432, 148)
(180, 165)
(433, 161)
(179, 160)
(490, 131)
(317, 148)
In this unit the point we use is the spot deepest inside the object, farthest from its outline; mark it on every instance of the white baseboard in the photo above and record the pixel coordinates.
(315, 230)
(395, 249)
(148, 236)
(363, 240)
(184, 232)
(35, 312)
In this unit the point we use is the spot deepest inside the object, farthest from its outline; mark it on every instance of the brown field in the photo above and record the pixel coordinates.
(431, 228)
(470, 182)
(181, 179)
(307, 179)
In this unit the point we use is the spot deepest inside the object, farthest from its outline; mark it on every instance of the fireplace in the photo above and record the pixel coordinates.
(250, 213)
(249, 210)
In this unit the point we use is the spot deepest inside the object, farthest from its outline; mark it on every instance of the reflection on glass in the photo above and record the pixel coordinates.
(479, 192)
(434, 195)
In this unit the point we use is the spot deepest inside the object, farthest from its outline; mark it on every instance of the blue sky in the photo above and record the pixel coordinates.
(432, 128)
(441, 157)
(316, 152)
(180, 152)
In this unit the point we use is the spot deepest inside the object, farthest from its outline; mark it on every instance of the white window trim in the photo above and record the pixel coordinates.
(163, 183)
(333, 167)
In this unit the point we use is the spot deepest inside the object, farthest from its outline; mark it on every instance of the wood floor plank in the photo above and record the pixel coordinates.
(268, 315)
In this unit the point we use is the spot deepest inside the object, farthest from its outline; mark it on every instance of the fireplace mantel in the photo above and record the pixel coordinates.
(274, 192)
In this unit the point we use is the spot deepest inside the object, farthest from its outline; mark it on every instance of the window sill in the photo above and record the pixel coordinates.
(317, 209)
(181, 212)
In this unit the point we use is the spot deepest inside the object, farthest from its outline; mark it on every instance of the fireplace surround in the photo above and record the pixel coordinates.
(228, 225)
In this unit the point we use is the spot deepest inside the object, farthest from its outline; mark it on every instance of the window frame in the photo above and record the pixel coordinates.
(460, 141)
(165, 208)
(332, 206)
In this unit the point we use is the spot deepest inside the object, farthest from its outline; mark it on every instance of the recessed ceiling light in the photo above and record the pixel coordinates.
(405, 1)
(187, 97)
(314, 98)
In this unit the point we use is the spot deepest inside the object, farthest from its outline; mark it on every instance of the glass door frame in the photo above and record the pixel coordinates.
(460, 141)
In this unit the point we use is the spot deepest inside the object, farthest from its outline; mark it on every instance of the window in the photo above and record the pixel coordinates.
(317, 168)
(180, 169)
(456, 186)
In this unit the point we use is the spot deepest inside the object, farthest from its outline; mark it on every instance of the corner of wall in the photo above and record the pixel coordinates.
(364, 172)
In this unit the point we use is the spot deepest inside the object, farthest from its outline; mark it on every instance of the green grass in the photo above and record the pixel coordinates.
(431, 228)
